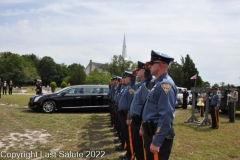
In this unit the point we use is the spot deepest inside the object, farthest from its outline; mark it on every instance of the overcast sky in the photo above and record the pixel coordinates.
(75, 31)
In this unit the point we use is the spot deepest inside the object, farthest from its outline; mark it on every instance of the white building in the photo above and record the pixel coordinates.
(92, 66)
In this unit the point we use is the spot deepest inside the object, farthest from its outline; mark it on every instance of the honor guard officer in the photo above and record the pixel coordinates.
(123, 105)
(109, 99)
(143, 73)
(233, 98)
(135, 73)
(121, 147)
(115, 117)
(214, 107)
(158, 112)
(113, 91)
(39, 87)
(117, 80)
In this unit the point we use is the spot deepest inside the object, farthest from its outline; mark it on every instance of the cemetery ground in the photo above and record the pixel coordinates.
(84, 135)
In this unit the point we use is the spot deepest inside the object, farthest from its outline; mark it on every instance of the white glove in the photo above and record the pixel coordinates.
(229, 95)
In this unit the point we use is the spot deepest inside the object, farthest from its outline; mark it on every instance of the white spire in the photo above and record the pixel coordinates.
(124, 50)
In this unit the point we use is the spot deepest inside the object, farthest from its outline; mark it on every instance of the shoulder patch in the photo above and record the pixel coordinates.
(166, 87)
(131, 91)
(158, 129)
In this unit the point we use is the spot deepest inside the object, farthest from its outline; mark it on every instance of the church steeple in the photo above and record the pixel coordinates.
(124, 50)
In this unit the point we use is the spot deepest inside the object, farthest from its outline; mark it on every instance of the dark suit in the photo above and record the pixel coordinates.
(5, 88)
(185, 96)
(10, 88)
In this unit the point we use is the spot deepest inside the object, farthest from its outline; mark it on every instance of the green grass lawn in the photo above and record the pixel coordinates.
(52, 135)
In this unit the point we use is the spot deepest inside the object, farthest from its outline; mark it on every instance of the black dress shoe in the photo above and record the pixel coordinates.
(119, 148)
(120, 145)
(115, 134)
(112, 130)
(117, 141)
(123, 156)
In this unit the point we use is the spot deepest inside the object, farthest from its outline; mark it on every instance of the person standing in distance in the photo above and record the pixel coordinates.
(158, 111)
(214, 107)
(5, 87)
(185, 98)
(10, 88)
(233, 98)
(39, 87)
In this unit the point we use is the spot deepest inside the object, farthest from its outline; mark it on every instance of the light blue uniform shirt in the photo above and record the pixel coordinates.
(113, 91)
(160, 106)
(125, 98)
(140, 97)
(215, 99)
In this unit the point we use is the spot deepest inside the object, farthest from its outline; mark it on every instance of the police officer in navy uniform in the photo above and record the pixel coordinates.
(158, 111)
(109, 100)
(143, 73)
(123, 105)
(115, 112)
(118, 112)
(113, 91)
(214, 107)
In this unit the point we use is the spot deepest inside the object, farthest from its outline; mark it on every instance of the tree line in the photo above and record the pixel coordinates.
(25, 69)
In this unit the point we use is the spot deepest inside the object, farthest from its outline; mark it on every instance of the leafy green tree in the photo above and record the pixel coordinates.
(17, 69)
(189, 70)
(63, 85)
(53, 86)
(97, 77)
(175, 71)
(61, 73)
(47, 69)
(66, 79)
(77, 74)
(216, 85)
(32, 58)
(206, 84)
(117, 66)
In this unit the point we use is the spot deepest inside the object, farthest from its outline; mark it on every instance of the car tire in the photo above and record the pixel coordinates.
(49, 106)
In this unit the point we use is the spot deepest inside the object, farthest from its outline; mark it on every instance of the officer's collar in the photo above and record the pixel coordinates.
(160, 78)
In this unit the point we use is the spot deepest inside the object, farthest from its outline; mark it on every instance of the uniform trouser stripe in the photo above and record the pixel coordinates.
(234, 111)
(144, 151)
(155, 155)
(130, 141)
(125, 144)
(216, 116)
